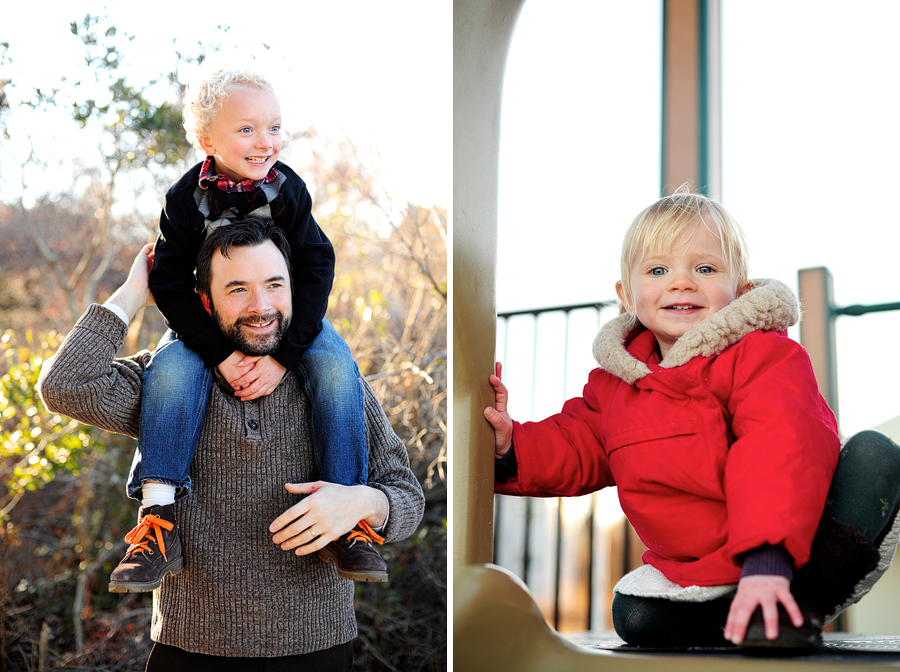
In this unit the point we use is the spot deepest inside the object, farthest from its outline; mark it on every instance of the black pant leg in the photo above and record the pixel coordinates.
(661, 623)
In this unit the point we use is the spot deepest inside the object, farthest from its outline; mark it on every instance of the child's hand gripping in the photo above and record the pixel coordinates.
(251, 377)
(497, 415)
(766, 591)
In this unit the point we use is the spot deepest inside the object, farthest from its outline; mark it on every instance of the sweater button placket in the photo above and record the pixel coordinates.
(251, 416)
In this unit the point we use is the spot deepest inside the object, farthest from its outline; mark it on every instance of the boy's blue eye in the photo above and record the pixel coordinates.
(706, 270)
(658, 270)
(276, 129)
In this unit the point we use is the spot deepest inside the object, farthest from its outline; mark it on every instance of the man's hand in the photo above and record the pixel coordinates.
(328, 511)
(251, 377)
(134, 293)
(761, 590)
(498, 416)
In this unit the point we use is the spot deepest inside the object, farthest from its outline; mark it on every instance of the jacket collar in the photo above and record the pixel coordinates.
(769, 306)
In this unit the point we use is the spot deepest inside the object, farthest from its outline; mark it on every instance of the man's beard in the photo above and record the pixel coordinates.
(253, 344)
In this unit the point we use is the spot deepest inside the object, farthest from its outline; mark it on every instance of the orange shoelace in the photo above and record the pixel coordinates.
(367, 534)
(149, 528)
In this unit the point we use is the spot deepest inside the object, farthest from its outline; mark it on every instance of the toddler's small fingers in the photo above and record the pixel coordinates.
(793, 610)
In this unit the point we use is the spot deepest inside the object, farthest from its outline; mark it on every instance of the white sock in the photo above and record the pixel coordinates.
(157, 493)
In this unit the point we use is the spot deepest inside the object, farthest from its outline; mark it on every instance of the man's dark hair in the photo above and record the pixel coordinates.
(248, 232)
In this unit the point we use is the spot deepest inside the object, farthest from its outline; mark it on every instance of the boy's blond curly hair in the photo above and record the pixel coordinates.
(204, 97)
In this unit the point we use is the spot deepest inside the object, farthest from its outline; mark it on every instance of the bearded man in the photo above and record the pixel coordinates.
(252, 590)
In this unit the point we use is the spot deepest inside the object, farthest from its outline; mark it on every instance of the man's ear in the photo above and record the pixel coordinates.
(620, 292)
(205, 299)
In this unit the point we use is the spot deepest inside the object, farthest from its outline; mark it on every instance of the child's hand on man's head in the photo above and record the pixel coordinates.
(498, 416)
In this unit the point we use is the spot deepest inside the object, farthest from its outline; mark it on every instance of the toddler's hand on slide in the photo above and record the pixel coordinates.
(498, 416)
(766, 591)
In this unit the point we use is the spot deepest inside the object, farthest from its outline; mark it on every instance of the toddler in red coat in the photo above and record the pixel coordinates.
(759, 526)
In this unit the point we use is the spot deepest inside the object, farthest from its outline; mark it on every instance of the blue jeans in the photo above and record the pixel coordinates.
(176, 387)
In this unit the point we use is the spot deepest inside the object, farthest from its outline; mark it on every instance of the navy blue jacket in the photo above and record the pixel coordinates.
(182, 231)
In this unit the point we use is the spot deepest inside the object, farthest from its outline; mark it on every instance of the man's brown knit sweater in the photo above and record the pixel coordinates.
(239, 594)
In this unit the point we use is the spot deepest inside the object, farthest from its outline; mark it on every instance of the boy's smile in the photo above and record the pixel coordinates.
(245, 135)
(674, 290)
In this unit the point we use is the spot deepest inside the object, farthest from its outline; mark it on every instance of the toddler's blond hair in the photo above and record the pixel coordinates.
(203, 98)
(658, 226)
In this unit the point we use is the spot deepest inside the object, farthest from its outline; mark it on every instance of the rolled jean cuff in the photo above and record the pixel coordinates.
(182, 488)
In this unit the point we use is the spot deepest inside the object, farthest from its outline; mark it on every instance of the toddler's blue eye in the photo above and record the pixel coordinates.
(705, 270)
(657, 271)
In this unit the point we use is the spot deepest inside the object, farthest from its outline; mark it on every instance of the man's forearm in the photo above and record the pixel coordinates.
(84, 380)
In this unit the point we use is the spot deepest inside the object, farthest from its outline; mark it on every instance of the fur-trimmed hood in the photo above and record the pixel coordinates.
(769, 306)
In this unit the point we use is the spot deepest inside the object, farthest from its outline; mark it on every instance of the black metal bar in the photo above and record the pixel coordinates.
(860, 309)
(526, 553)
(599, 305)
(497, 521)
(557, 580)
(559, 504)
(590, 580)
(526, 565)
(856, 310)
(498, 500)
(528, 516)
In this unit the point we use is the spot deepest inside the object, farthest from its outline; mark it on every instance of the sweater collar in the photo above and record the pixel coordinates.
(624, 350)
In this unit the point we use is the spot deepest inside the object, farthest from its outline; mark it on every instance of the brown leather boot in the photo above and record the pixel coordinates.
(355, 557)
(155, 551)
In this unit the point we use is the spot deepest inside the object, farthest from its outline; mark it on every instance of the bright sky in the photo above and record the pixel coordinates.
(379, 72)
(811, 141)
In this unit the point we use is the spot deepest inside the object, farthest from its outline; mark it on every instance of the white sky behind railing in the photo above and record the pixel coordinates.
(810, 144)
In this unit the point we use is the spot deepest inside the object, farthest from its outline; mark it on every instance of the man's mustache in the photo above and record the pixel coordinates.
(259, 319)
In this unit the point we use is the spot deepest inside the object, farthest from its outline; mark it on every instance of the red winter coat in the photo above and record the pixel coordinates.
(723, 447)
